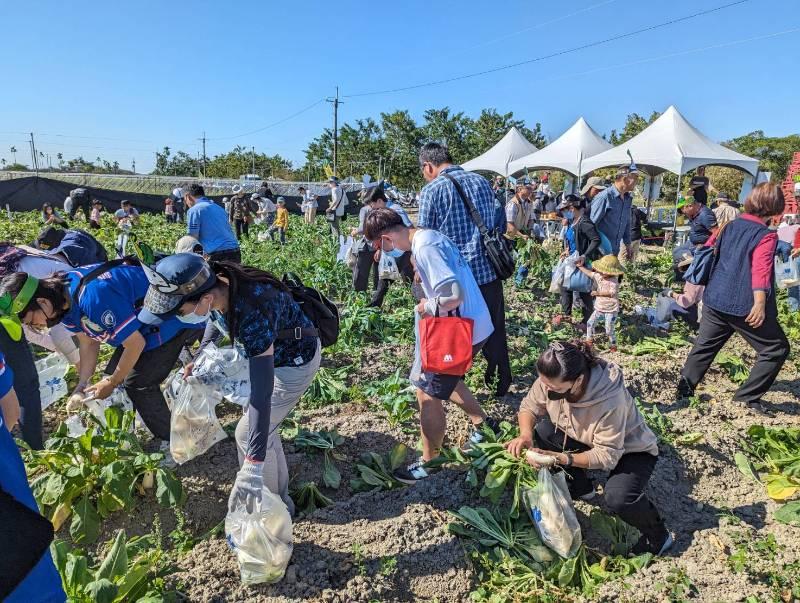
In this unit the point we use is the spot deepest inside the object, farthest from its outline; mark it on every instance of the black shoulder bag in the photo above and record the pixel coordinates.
(496, 248)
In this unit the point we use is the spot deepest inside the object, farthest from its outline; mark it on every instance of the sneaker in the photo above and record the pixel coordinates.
(756, 406)
(477, 436)
(168, 462)
(684, 390)
(646, 546)
(667, 545)
(412, 473)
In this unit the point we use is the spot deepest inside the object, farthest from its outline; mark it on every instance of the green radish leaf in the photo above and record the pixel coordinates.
(789, 513)
(745, 466)
(85, 525)
(76, 573)
(330, 474)
(116, 561)
(689, 438)
(101, 591)
(397, 456)
(169, 491)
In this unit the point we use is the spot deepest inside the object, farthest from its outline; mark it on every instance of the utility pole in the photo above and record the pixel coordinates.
(133, 165)
(34, 156)
(336, 102)
(204, 154)
(254, 160)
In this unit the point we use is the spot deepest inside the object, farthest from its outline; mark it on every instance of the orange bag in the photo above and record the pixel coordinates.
(445, 344)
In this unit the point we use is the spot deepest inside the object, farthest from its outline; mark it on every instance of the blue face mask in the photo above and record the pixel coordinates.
(394, 252)
(569, 215)
(193, 318)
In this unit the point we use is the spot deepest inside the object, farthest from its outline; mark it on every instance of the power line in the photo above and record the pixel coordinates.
(554, 54)
(272, 125)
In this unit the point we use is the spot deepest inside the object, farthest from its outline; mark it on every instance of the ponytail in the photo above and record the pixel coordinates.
(54, 289)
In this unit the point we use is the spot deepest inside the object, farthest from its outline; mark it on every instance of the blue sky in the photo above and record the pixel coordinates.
(120, 81)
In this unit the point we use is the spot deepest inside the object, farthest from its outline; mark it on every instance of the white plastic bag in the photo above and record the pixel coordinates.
(551, 510)
(558, 277)
(787, 274)
(52, 385)
(223, 372)
(344, 249)
(387, 268)
(194, 427)
(262, 539)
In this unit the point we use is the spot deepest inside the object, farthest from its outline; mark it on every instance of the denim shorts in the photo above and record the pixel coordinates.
(436, 385)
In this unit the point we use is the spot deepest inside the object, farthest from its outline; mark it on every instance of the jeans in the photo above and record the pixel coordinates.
(521, 276)
(143, 383)
(335, 225)
(291, 382)
(26, 383)
(281, 233)
(794, 298)
(226, 255)
(496, 349)
(768, 340)
(624, 491)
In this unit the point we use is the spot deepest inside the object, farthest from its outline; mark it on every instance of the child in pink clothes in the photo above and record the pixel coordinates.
(605, 273)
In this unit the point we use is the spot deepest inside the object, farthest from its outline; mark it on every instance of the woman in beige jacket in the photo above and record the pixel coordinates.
(584, 418)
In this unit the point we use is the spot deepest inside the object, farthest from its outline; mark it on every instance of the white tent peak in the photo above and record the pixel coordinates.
(671, 144)
(510, 147)
(567, 152)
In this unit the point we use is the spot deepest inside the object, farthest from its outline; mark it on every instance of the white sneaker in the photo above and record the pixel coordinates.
(667, 544)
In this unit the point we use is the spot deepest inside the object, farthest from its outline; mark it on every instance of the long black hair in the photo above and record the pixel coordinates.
(566, 360)
(55, 289)
(236, 274)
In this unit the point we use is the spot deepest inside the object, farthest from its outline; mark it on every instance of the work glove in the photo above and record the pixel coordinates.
(248, 487)
(75, 402)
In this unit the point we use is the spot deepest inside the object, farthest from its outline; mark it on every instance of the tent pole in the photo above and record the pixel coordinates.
(677, 198)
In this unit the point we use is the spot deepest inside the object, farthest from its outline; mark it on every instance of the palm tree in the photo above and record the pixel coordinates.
(60, 157)
(14, 151)
(3, 161)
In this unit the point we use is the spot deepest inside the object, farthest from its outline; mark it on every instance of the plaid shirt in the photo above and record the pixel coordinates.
(441, 208)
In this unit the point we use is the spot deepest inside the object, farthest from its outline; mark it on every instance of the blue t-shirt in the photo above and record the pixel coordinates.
(569, 237)
(42, 584)
(108, 307)
(262, 311)
(208, 223)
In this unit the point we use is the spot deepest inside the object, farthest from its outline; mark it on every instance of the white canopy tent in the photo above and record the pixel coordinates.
(565, 153)
(512, 146)
(671, 144)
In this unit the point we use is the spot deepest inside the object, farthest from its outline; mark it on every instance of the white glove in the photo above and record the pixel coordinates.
(247, 487)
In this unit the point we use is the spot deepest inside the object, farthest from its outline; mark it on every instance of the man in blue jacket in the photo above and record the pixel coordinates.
(611, 211)
(208, 223)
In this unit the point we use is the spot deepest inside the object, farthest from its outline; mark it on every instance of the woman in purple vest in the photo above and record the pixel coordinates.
(740, 298)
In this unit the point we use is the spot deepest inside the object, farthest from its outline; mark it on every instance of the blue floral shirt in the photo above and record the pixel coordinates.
(262, 311)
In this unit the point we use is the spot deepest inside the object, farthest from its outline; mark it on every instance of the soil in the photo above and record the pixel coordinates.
(394, 546)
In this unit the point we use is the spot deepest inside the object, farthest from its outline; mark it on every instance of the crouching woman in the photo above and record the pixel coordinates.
(584, 418)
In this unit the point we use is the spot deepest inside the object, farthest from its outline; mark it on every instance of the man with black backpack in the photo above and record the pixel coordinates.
(444, 206)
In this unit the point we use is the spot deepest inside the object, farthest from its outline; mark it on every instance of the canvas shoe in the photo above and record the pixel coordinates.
(476, 435)
(413, 473)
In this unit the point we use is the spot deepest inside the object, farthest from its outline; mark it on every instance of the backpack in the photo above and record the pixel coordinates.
(80, 196)
(319, 309)
(80, 248)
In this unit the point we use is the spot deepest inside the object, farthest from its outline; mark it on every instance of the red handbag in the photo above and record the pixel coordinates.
(445, 344)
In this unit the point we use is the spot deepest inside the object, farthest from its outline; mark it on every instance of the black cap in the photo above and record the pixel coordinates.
(173, 279)
(49, 238)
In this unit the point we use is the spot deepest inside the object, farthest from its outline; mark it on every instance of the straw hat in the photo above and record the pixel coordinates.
(608, 264)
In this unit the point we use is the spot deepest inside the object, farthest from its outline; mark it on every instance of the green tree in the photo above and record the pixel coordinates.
(491, 126)
(634, 124)
(450, 129)
(774, 153)
(402, 140)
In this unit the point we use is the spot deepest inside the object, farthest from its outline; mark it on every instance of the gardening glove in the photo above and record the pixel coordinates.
(248, 487)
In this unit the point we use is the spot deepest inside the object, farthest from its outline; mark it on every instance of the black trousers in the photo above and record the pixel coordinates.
(85, 207)
(242, 228)
(143, 383)
(364, 264)
(407, 272)
(496, 349)
(26, 383)
(226, 255)
(587, 301)
(624, 492)
(768, 340)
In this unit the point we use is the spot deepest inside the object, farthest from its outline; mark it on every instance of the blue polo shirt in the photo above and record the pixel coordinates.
(208, 223)
(42, 584)
(108, 306)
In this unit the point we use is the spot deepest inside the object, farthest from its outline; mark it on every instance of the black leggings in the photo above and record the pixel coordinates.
(242, 228)
(624, 492)
(567, 299)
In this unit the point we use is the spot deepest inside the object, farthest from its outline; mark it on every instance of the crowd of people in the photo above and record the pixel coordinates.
(65, 294)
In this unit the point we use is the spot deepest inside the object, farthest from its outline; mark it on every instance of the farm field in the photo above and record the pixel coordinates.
(378, 540)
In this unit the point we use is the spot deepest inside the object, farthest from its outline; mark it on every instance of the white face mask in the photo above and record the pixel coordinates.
(193, 318)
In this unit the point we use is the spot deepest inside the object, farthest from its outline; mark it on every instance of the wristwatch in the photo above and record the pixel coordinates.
(569, 459)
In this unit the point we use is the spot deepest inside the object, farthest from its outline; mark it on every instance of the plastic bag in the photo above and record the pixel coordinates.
(224, 373)
(344, 249)
(351, 259)
(787, 274)
(262, 540)
(194, 427)
(387, 268)
(558, 277)
(52, 385)
(550, 508)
